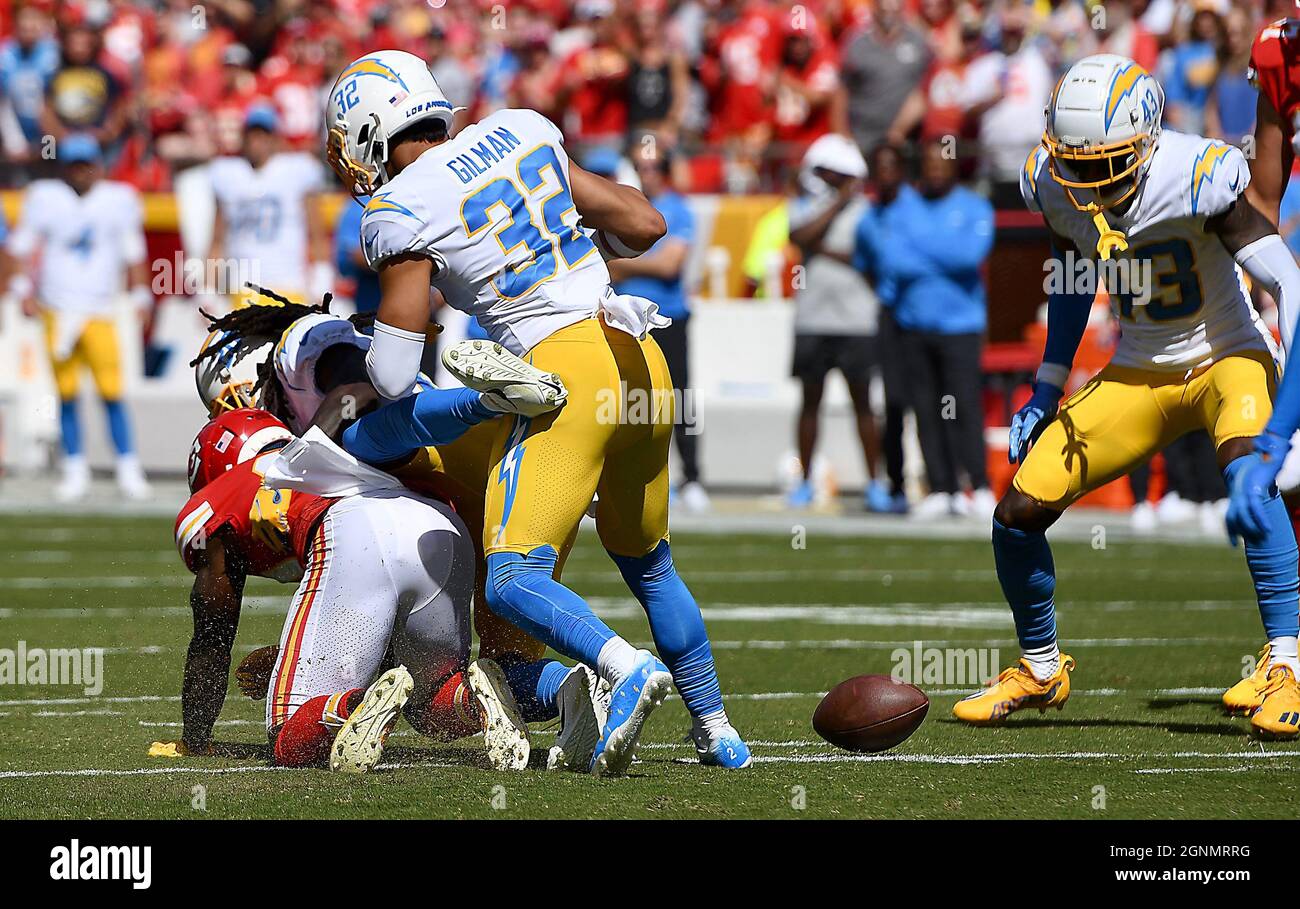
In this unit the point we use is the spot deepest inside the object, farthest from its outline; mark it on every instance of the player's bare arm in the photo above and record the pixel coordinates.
(1271, 165)
(665, 263)
(215, 601)
(622, 216)
(400, 324)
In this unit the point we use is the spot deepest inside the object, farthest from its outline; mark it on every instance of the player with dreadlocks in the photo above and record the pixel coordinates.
(316, 367)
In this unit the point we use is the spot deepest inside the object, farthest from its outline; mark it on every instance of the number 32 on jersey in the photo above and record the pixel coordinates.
(526, 218)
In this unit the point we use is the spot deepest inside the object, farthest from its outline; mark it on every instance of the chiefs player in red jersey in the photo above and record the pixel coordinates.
(376, 569)
(1275, 73)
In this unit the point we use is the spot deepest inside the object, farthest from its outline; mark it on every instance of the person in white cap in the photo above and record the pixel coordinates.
(836, 312)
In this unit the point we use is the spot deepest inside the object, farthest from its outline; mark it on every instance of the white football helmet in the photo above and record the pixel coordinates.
(1103, 123)
(226, 379)
(373, 99)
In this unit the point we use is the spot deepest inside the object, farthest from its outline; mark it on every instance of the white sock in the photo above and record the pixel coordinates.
(1282, 652)
(714, 723)
(615, 662)
(1044, 662)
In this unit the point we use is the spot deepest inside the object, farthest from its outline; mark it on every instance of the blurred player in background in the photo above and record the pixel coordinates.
(1192, 354)
(659, 276)
(267, 227)
(88, 235)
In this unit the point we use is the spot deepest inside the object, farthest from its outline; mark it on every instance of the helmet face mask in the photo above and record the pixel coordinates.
(235, 396)
(1102, 178)
(227, 380)
(360, 179)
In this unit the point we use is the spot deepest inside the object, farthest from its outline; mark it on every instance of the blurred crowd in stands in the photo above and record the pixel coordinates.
(739, 87)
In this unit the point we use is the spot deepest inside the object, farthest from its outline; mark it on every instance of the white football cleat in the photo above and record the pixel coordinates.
(508, 384)
(584, 704)
(505, 734)
(130, 479)
(694, 498)
(360, 741)
(76, 480)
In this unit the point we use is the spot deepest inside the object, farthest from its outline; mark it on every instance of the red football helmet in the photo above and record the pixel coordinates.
(232, 437)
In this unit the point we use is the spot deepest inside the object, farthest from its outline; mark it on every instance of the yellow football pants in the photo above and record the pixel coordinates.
(1124, 416)
(96, 349)
(610, 438)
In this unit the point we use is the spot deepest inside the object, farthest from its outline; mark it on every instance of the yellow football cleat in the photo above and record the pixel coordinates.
(1278, 717)
(1015, 689)
(1245, 696)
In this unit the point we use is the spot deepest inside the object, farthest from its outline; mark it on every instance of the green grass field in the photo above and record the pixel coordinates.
(1157, 629)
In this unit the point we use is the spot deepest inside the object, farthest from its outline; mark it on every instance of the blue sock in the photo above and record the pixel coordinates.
(535, 684)
(1028, 578)
(1272, 564)
(677, 626)
(119, 427)
(70, 427)
(435, 416)
(520, 590)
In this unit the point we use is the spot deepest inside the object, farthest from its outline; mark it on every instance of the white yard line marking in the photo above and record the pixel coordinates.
(51, 702)
(826, 758)
(164, 771)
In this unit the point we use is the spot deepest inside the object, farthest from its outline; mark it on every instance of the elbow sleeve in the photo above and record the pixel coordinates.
(393, 361)
(1269, 262)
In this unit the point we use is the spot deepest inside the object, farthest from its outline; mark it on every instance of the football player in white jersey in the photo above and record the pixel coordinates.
(1162, 218)
(267, 225)
(89, 237)
(497, 218)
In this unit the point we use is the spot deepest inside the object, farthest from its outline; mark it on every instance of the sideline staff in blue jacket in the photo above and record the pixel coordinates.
(925, 252)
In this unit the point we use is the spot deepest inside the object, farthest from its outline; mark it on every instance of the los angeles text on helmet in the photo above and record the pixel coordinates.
(1121, 276)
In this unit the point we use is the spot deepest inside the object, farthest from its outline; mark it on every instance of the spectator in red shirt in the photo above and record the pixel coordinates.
(808, 98)
(224, 109)
(533, 86)
(1123, 34)
(593, 80)
(740, 69)
(936, 105)
(292, 79)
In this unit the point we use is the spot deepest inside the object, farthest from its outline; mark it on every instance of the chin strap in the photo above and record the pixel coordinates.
(1109, 240)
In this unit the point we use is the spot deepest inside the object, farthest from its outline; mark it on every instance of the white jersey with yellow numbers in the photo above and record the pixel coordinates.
(85, 242)
(1196, 309)
(265, 213)
(491, 208)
